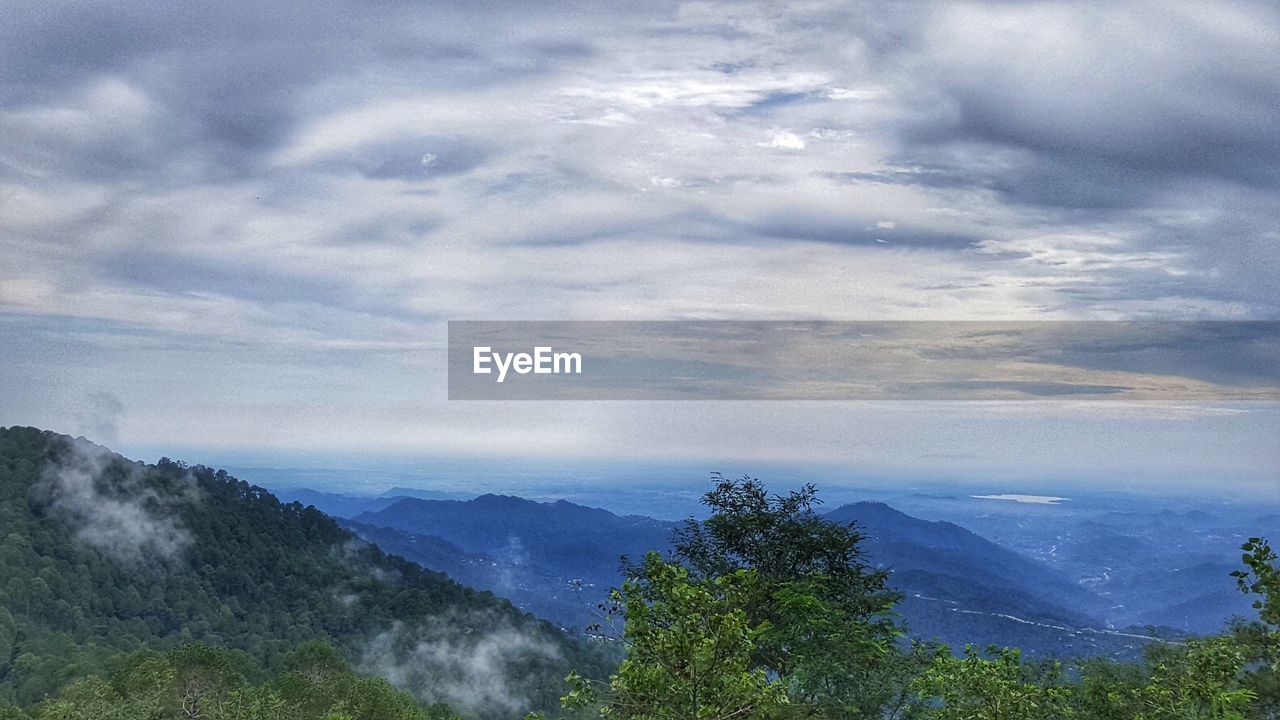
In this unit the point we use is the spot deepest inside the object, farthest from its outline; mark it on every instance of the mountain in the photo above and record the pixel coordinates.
(337, 504)
(962, 588)
(569, 599)
(935, 554)
(342, 505)
(560, 532)
(558, 559)
(100, 555)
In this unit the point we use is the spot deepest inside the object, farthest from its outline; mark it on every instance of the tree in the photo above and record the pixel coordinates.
(1260, 577)
(765, 610)
(1000, 688)
(825, 616)
(1260, 641)
(690, 649)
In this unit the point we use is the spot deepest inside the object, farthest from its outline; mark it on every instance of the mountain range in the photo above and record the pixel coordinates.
(558, 559)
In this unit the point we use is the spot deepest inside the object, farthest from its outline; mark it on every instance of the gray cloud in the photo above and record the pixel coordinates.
(98, 417)
(147, 134)
(343, 179)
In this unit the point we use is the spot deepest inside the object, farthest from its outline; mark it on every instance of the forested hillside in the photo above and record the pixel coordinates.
(100, 555)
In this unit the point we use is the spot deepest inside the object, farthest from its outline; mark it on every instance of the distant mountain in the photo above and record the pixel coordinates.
(935, 554)
(1163, 568)
(99, 554)
(337, 504)
(404, 492)
(962, 588)
(343, 505)
(558, 559)
(560, 534)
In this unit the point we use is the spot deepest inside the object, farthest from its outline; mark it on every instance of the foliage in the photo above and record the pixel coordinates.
(768, 603)
(972, 687)
(690, 648)
(199, 681)
(1260, 577)
(827, 632)
(250, 573)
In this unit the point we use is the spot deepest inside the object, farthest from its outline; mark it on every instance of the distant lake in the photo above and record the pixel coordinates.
(1030, 499)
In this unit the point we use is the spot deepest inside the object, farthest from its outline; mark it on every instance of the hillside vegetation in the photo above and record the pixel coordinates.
(100, 555)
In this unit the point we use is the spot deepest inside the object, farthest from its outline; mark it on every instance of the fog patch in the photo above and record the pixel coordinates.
(98, 417)
(451, 660)
(357, 554)
(109, 503)
(510, 565)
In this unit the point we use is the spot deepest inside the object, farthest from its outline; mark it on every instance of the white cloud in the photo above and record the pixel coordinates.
(109, 505)
(784, 140)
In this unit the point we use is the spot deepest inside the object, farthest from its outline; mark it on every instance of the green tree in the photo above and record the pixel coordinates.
(1260, 640)
(1260, 577)
(690, 650)
(199, 681)
(998, 688)
(827, 631)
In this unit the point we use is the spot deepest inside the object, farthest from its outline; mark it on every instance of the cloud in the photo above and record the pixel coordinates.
(452, 661)
(1109, 88)
(314, 193)
(110, 504)
(784, 140)
(246, 154)
(99, 415)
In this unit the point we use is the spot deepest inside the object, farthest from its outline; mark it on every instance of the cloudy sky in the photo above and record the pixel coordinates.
(244, 224)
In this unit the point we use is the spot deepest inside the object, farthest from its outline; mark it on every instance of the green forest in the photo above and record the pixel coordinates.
(172, 591)
(101, 556)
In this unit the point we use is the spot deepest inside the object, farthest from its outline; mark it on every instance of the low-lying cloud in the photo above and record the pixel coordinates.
(472, 663)
(108, 503)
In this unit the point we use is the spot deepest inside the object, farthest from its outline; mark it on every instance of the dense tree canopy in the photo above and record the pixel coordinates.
(100, 555)
(198, 681)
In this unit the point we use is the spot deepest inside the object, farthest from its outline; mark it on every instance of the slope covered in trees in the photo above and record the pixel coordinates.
(199, 681)
(100, 555)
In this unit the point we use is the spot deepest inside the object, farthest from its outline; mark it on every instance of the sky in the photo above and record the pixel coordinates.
(245, 225)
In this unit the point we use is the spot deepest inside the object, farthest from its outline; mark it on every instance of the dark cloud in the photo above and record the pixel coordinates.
(1033, 389)
(1097, 109)
(230, 82)
(776, 100)
(802, 225)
